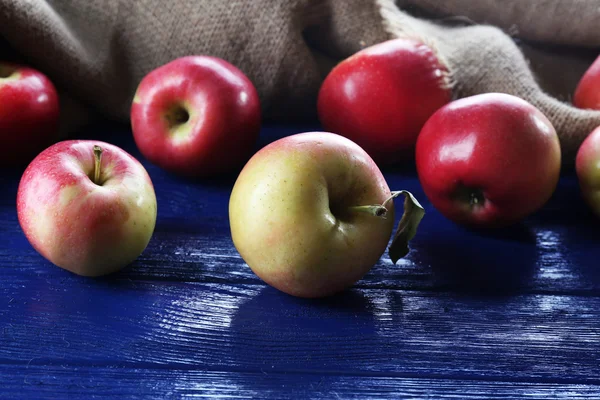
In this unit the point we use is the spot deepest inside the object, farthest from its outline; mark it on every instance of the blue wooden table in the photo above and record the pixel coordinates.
(466, 315)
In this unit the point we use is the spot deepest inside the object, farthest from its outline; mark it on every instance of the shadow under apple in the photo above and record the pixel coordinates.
(480, 261)
(280, 332)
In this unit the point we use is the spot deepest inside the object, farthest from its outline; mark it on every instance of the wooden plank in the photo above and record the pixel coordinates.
(82, 382)
(189, 312)
(251, 327)
(554, 252)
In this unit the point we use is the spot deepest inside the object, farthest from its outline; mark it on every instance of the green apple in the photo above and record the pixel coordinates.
(311, 214)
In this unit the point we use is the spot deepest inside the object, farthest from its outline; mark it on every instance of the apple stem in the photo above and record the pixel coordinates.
(97, 163)
(374, 210)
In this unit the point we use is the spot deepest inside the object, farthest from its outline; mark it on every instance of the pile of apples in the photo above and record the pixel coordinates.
(310, 213)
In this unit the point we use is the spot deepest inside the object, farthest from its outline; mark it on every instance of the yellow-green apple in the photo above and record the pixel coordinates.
(587, 166)
(488, 160)
(87, 206)
(587, 92)
(311, 214)
(196, 116)
(29, 114)
(381, 96)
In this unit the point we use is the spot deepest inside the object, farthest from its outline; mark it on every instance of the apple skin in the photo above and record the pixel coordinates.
(223, 116)
(587, 93)
(290, 218)
(29, 114)
(381, 97)
(88, 229)
(488, 160)
(587, 166)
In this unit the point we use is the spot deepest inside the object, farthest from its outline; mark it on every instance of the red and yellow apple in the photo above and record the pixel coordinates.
(587, 166)
(196, 116)
(488, 160)
(29, 114)
(87, 206)
(311, 214)
(381, 96)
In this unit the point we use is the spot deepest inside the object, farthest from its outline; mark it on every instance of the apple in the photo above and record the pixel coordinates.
(488, 160)
(311, 214)
(381, 97)
(587, 167)
(29, 114)
(587, 93)
(87, 206)
(196, 116)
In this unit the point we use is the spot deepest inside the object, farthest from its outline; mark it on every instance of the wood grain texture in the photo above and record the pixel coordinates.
(75, 382)
(552, 251)
(537, 338)
(513, 314)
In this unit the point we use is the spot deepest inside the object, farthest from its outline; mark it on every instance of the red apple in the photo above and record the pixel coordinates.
(488, 160)
(196, 116)
(29, 113)
(87, 206)
(381, 96)
(587, 166)
(587, 93)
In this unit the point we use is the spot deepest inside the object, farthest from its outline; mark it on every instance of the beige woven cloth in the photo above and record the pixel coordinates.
(97, 51)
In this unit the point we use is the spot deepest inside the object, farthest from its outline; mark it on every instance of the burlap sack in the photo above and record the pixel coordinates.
(97, 51)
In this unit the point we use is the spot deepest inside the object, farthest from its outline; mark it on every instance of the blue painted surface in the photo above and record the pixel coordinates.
(466, 314)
